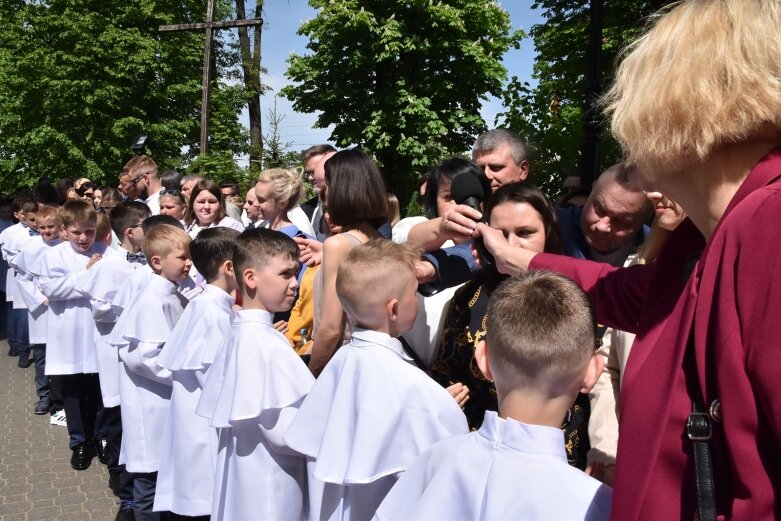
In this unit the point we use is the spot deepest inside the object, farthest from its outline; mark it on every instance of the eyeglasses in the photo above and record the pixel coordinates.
(134, 180)
(173, 193)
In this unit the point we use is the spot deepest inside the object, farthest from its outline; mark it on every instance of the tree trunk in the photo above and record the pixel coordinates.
(250, 64)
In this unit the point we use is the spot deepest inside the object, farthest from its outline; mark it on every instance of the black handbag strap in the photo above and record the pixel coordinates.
(699, 430)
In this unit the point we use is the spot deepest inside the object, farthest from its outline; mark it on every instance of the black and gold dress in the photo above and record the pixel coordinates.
(464, 327)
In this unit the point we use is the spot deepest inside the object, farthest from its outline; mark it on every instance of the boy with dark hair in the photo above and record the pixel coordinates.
(145, 387)
(12, 240)
(70, 327)
(186, 477)
(258, 390)
(539, 350)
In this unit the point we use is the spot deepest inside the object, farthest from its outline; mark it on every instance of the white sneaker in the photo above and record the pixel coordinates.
(58, 418)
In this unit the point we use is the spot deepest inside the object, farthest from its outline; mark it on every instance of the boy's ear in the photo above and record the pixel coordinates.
(392, 308)
(248, 276)
(593, 369)
(481, 357)
(156, 261)
(227, 268)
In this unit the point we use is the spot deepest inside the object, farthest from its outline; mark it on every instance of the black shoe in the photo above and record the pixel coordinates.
(102, 448)
(24, 362)
(82, 456)
(43, 406)
(125, 512)
(12, 352)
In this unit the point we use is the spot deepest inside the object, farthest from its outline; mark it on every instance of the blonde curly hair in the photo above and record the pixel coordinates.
(707, 73)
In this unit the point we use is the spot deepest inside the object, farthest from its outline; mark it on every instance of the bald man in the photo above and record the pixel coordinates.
(609, 227)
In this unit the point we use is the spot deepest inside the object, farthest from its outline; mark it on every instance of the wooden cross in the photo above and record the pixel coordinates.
(209, 26)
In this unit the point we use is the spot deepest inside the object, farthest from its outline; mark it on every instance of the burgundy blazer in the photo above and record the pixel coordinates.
(731, 299)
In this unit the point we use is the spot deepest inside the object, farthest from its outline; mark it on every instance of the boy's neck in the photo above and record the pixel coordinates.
(534, 408)
(220, 282)
(382, 327)
(128, 246)
(251, 302)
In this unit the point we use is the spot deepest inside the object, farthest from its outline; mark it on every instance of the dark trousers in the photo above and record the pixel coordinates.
(18, 335)
(82, 402)
(144, 497)
(41, 381)
(4, 307)
(55, 391)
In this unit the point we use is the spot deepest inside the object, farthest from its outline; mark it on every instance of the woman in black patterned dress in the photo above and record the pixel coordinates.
(528, 220)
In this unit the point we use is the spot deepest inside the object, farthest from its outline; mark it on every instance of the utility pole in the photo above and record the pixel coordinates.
(592, 128)
(208, 27)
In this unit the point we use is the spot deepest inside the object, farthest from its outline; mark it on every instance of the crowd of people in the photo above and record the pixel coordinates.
(261, 356)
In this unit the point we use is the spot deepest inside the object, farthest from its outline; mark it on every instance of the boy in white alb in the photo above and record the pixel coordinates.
(70, 326)
(12, 240)
(144, 386)
(539, 349)
(47, 221)
(371, 411)
(258, 390)
(105, 279)
(185, 481)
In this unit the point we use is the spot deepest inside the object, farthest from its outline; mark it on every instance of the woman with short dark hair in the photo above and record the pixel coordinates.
(357, 207)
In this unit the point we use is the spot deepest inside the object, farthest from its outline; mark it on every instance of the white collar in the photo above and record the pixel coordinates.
(254, 315)
(523, 437)
(368, 338)
(225, 298)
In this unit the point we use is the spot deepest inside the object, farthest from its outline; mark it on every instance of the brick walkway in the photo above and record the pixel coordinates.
(36, 480)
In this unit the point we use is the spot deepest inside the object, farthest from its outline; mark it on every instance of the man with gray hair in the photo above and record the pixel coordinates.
(501, 153)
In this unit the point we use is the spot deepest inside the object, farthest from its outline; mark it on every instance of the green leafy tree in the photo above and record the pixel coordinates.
(80, 78)
(550, 113)
(404, 79)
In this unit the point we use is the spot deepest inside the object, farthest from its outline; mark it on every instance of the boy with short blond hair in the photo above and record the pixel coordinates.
(371, 411)
(253, 397)
(145, 387)
(186, 477)
(539, 350)
(70, 326)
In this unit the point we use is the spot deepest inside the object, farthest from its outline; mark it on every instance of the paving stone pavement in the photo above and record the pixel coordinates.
(36, 480)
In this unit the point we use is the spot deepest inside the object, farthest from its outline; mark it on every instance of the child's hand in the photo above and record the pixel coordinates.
(95, 258)
(460, 393)
(281, 326)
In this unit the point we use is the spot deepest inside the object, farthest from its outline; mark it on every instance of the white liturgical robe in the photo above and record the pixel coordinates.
(70, 331)
(505, 470)
(30, 289)
(185, 481)
(368, 416)
(105, 279)
(262, 384)
(144, 386)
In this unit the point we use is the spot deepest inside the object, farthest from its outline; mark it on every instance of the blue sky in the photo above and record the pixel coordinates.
(283, 18)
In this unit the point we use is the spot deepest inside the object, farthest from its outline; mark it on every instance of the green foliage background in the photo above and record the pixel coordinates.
(79, 79)
(550, 113)
(404, 79)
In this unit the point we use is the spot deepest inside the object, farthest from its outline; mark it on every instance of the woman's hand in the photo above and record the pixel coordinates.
(311, 251)
(460, 393)
(510, 260)
(459, 222)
